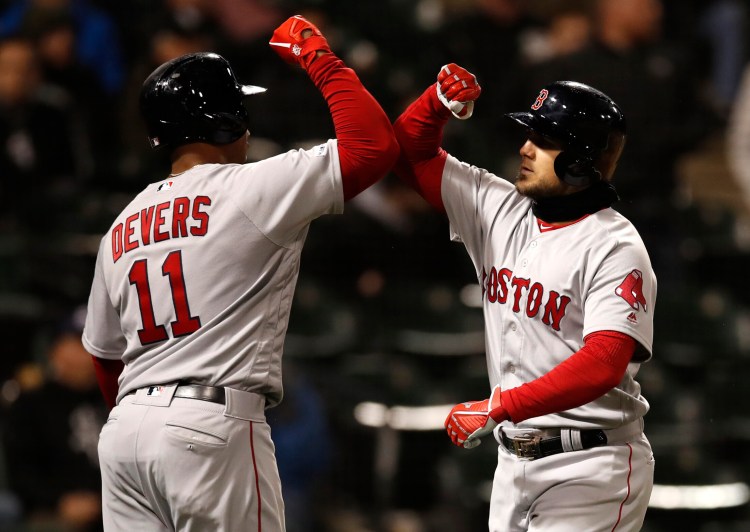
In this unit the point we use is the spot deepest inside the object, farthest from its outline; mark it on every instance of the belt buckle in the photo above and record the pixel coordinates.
(527, 447)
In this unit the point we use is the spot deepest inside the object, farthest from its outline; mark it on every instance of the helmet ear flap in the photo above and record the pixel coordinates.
(576, 171)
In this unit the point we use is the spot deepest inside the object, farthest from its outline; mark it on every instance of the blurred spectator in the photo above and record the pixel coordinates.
(566, 29)
(97, 41)
(655, 84)
(54, 36)
(715, 31)
(248, 21)
(138, 163)
(51, 438)
(723, 23)
(40, 141)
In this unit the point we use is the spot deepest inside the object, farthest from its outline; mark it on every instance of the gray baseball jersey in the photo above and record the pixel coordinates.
(194, 280)
(544, 289)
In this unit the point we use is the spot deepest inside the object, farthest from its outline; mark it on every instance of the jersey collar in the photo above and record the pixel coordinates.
(546, 226)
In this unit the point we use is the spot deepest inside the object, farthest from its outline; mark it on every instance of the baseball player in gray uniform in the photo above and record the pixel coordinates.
(568, 296)
(193, 287)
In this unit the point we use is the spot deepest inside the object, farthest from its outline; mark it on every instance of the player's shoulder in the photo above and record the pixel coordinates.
(614, 231)
(614, 225)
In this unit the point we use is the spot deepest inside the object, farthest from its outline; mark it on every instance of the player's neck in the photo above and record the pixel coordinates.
(190, 155)
(564, 209)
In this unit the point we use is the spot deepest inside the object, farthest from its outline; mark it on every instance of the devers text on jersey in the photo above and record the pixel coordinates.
(177, 218)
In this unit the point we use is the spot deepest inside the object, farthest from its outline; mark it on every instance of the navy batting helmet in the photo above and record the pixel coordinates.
(586, 122)
(194, 98)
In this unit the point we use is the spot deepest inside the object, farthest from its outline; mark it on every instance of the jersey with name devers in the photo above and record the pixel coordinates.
(194, 280)
(544, 291)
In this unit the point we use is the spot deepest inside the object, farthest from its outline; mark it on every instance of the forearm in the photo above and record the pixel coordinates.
(419, 131)
(366, 144)
(585, 376)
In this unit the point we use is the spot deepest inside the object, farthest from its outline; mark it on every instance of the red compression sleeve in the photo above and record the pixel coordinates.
(366, 144)
(587, 375)
(419, 131)
(107, 374)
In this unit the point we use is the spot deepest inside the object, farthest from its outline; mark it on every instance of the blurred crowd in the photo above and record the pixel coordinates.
(386, 311)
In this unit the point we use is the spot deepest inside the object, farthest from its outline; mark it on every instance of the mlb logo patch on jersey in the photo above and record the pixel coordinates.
(165, 186)
(155, 391)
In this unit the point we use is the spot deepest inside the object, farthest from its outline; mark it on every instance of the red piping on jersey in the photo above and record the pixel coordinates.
(627, 495)
(257, 480)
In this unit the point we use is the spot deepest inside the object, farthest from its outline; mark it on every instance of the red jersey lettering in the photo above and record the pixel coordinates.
(528, 296)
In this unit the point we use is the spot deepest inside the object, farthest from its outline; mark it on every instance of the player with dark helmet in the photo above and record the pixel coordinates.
(193, 287)
(586, 122)
(568, 295)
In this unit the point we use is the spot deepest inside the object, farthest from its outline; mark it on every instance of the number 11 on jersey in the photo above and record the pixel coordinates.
(184, 323)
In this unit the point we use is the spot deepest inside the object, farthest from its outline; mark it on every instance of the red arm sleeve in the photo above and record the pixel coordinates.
(587, 375)
(419, 131)
(366, 144)
(107, 374)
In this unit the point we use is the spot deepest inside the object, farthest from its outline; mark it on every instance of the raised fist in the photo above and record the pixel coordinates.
(298, 41)
(457, 88)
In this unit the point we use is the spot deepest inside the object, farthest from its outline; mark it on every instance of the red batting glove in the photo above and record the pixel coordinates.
(292, 47)
(457, 88)
(468, 422)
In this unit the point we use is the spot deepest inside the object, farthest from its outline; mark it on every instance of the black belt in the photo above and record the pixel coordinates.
(213, 394)
(534, 447)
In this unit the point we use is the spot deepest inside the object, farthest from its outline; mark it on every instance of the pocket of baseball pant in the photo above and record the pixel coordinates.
(193, 433)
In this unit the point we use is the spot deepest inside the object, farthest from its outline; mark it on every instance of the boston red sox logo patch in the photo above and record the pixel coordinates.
(631, 290)
(540, 99)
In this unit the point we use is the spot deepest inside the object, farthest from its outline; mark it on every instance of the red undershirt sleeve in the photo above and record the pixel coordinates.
(366, 144)
(107, 375)
(419, 131)
(588, 374)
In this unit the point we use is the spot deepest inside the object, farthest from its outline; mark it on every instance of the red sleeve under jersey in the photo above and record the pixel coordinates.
(419, 131)
(366, 144)
(107, 375)
(587, 375)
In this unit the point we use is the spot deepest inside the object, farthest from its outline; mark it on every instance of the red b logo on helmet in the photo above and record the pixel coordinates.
(540, 99)
(631, 290)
